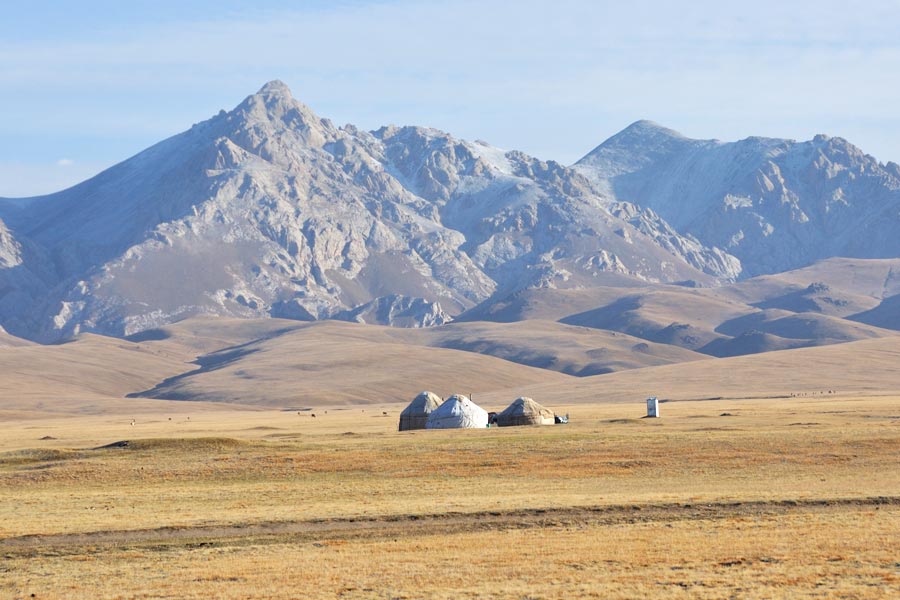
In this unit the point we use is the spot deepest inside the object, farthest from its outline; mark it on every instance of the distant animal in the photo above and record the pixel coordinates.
(384, 413)
(313, 415)
(132, 422)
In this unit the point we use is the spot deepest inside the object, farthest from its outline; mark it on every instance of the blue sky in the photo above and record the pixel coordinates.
(86, 84)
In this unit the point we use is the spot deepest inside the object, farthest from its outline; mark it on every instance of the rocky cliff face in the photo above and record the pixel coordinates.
(529, 222)
(774, 204)
(270, 210)
(26, 273)
(10, 249)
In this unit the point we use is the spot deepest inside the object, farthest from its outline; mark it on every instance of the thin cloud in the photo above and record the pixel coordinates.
(553, 80)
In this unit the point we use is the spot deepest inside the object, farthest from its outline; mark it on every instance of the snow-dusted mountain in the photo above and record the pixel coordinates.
(775, 204)
(271, 210)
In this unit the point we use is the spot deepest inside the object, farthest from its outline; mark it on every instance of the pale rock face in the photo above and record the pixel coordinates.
(270, 210)
(10, 250)
(774, 204)
(515, 210)
(709, 260)
(400, 311)
(26, 273)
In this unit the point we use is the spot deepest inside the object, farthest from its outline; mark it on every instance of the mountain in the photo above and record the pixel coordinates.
(10, 250)
(831, 302)
(775, 204)
(25, 270)
(270, 210)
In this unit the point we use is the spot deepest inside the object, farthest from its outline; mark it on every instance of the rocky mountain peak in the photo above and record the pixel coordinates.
(273, 112)
(642, 133)
(276, 87)
(632, 148)
(647, 128)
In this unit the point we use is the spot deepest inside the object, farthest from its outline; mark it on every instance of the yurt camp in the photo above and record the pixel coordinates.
(457, 412)
(525, 411)
(416, 414)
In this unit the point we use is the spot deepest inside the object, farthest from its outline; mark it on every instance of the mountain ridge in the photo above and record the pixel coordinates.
(269, 209)
(775, 204)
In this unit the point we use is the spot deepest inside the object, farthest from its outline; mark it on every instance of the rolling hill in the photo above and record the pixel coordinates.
(280, 364)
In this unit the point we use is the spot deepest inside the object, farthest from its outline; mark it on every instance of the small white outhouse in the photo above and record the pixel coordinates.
(652, 407)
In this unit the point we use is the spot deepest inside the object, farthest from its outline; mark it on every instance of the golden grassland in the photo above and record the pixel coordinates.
(851, 554)
(753, 498)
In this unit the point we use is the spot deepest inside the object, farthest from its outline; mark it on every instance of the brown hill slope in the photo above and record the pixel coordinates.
(332, 362)
(278, 362)
(815, 328)
(200, 335)
(684, 318)
(11, 341)
(580, 351)
(751, 341)
(867, 366)
(550, 304)
(91, 372)
(286, 364)
(886, 314)
(837, 286)
(83, 371)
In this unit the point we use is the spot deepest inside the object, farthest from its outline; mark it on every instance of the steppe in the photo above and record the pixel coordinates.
(770, 475)
(162, 437)
(260, 458)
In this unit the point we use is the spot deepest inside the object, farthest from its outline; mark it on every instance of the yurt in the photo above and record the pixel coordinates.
(415, 415)
(457, 412)
(525, 411)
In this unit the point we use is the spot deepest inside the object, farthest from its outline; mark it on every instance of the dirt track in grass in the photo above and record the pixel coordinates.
(397, 526)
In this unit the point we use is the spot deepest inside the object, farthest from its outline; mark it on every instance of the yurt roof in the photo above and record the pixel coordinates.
(458, 408)
(456, 403)
(525, 406)
(422, 404)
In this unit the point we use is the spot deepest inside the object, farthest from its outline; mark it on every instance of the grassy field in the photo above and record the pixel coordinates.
(752, 498)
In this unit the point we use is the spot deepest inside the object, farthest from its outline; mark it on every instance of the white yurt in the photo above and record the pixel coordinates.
(416, 414)
(457, 412)
(525, 411)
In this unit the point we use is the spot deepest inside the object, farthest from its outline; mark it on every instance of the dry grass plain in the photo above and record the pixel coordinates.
(756, 498)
